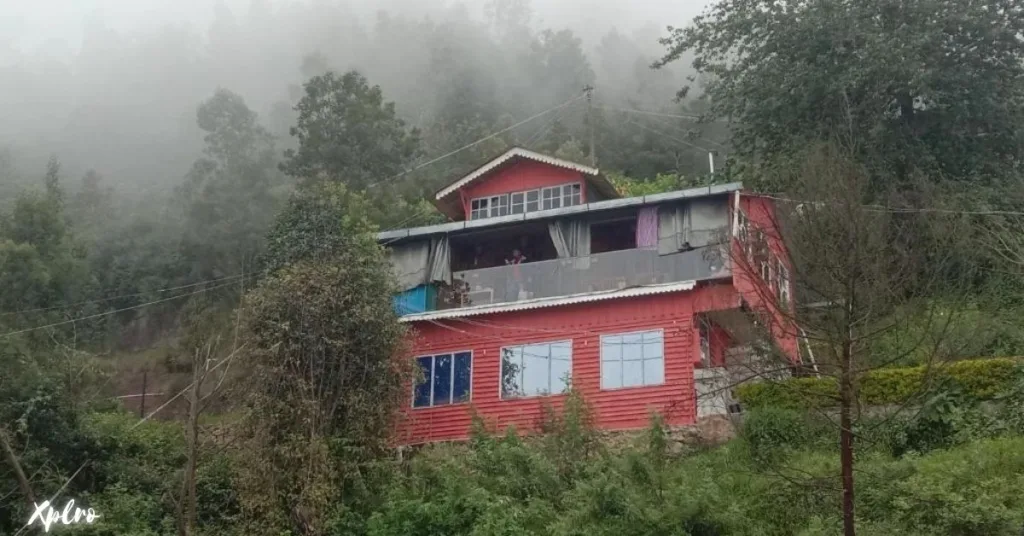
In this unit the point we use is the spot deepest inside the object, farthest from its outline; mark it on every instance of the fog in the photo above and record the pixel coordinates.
(113, 85)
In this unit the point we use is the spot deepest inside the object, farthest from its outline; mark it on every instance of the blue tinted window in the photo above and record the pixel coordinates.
(447, 379)
(421, 397)
(442, 379)
(462, 381)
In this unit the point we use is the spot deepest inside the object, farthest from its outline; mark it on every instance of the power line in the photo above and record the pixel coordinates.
(669, 136)
(660, 114)
(112, 298)
(906, 210)
(115, 311)
(479, 141)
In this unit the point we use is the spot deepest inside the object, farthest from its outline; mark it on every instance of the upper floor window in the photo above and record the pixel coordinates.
(782, 274)
(489, 207)
(535, 369)
(564, 195)
(632, 359)
(447, 379)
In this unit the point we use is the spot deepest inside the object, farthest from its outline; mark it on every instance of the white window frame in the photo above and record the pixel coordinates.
(643, 359)
(783, 284)
(451, 387)
(501, 368)
(513, 203)
(480, 210)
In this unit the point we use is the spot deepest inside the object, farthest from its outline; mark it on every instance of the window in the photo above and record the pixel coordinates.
(478, 209)
(518, 203)
(447, 379)
(783, 282)
(499, 205)
(565, 195)
(535, 369)
(552, 197)
(533, 200)
(632, 359)
(705, 342)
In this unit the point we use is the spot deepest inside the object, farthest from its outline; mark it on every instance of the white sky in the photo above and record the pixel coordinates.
(29, 24)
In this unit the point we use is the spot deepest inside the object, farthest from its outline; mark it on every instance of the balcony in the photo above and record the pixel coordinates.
(599, 272)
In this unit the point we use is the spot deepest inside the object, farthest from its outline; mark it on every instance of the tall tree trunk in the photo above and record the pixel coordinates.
(846, 402)
(19, 474)
(187, 494)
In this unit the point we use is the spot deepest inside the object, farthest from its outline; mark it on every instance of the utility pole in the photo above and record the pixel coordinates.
(589, 90)
(142, 405)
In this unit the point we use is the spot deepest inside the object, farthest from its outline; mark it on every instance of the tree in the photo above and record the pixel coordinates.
(933, 85)
(327, 377)
(348, 134)
(227, 196)
(900, 275)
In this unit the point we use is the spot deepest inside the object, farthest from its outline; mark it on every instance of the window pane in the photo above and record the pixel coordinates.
(611, 374)
(531, 206)
(654, 371)
(533, 195)
(518, 203)
(535, 370)
(632, 373)
(577, 195)
(511, 365)
(442, 379)
(561, 363)
(611, 348)
(421, 395)
(653, 345)
(632, 347)
(463, 379)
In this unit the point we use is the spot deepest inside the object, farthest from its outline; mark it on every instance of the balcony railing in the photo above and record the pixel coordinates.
(562, 277)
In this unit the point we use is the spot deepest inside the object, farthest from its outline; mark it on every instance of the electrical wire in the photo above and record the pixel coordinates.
(107, 313)
(477, 142)
(112, 298)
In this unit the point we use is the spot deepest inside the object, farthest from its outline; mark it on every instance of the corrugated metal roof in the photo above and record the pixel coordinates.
(538, 303)
(610, 204)
(513, 153)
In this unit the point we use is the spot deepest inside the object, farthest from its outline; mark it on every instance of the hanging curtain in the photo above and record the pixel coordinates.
(709, 222)
(440, 260)
(572, 240)
(673, 229)
(409, 263)
(558, 238)
(647, 227)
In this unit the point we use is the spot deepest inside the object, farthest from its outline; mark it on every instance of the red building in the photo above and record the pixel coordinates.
(546, 277)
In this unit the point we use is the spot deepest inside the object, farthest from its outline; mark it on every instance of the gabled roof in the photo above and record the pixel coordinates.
(515, 154)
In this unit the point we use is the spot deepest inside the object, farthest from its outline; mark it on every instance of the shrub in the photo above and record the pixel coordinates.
(978, 378)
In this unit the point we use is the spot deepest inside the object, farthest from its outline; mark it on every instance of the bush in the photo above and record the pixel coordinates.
(978, 378)
(770, 431)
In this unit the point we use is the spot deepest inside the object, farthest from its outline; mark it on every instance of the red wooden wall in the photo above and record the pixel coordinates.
(520, 176)
(619, 409)
(761, 213)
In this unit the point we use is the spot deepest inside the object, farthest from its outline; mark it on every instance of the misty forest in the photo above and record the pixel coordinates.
(189, 213)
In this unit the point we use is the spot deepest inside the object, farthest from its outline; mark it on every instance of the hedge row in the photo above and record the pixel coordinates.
(981, 378)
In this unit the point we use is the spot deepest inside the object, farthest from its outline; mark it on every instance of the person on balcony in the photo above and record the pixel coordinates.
(514, 284)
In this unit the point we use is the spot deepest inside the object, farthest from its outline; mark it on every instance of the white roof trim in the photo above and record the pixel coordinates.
(512, 153)
(537, 303)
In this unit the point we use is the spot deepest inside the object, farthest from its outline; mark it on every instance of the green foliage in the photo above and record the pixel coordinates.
(348, 134)
(663, 182)
(877, 69)
(326, 378)
(227, 197)
(978, 378)
(771, 432)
